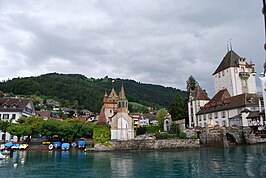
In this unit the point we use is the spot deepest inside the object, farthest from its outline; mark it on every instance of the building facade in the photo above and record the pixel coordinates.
(235, 75)
(236, 102)
(11, 109)
(197, 99)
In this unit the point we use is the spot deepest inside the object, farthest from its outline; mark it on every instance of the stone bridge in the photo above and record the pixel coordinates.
(221, 136)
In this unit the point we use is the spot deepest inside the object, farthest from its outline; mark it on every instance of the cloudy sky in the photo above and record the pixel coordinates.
(150, 41)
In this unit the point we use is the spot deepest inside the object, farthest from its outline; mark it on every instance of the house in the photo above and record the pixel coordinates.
(226, 110)
(197, 99)
(236, 102)
(11, 109)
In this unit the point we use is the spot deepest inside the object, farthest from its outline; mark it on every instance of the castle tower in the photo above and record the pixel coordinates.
(235, 75)
(122, 101)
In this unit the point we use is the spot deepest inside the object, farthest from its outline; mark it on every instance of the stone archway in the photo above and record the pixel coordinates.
(230, 138)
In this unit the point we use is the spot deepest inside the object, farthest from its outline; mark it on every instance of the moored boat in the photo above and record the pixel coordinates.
(65, 146)
(57, 144)
(81, 144)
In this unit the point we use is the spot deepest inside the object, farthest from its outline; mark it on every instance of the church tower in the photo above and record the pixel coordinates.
(122, 126)
(235, 74)
(122, 101)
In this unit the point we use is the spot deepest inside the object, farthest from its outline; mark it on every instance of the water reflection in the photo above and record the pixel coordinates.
(246, 161)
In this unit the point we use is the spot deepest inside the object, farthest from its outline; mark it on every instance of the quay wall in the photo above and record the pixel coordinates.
(148, 145)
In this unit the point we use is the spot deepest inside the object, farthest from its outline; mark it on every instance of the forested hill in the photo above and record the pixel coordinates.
(76, 89)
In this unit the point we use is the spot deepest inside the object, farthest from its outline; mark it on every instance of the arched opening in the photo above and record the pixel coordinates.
(230, 138)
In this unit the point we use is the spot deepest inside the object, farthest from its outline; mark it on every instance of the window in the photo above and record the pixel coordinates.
(0, 116)
(223, 73)
(223, 114)
(199, 118)
(5, 116)
(216, 115)
(210, 116)
(204, 117)
(13, 116)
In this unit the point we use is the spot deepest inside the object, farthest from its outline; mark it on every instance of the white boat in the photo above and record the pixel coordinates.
(2, 156)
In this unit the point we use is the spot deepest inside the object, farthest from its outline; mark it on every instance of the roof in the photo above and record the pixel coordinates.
(122, 95)
(200, 94)
(230, 60)
(222, 101)
(102, 119)
(44, 113)
(13, 104)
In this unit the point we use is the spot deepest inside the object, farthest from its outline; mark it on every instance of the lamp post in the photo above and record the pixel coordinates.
(262, 75)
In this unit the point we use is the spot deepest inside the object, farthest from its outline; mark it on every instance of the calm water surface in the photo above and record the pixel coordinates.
(243, 161)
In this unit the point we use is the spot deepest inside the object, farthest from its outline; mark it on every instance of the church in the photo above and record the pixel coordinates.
(114, 112)
(236, 102)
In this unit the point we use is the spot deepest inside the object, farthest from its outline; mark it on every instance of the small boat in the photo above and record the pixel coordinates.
(8, 144)
(57, 144)
(23, 146)
(65, 146)
(15, 146)
(2, 156)
(81, 143)
(74, 144)
(50, 147)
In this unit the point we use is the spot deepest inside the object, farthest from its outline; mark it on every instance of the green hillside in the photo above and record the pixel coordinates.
(82, 92)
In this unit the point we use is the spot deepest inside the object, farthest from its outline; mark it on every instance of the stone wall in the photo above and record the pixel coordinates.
(148, 145)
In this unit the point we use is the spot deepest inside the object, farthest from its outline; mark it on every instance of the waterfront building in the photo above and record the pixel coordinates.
(236, 102)
(197, 99)
(11, 109)
(122, 125)
(114, 112)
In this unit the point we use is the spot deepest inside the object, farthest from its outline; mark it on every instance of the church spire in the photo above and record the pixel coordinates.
(122, 101)
(122, 94)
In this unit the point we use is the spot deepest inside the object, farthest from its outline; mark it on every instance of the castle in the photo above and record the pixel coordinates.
(236, 102)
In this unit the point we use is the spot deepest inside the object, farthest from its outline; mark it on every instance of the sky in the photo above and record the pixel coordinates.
(150, 41)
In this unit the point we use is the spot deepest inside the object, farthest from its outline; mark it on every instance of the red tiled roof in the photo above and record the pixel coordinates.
(102, 119)
(200, 94)
(223, 101)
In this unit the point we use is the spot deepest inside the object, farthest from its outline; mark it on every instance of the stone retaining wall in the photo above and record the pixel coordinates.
(148, 145)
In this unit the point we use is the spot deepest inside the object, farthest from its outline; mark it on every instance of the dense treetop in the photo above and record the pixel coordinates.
(80, 91)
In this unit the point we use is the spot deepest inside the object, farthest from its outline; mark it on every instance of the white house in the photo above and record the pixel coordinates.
(197, 99)
(11, 109)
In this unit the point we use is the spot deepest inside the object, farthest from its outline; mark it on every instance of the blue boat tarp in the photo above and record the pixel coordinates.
(9, 144)
(57, 144)
(65, 146)
(81, 143)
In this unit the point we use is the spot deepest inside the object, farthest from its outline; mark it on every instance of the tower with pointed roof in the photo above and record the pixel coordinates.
(197, 99)
(122, 126)
(235, 74)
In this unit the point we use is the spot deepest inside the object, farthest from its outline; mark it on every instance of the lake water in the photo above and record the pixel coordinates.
(242, 161)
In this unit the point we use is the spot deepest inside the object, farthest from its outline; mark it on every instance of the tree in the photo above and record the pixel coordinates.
(4, 124)
(160, 117)
(177, 108)
(19, 130)
(50, 127)
(191, 84)
(33, 122)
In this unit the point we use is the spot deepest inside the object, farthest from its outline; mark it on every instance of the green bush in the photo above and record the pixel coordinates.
(152, 129)
(164, 135)
(101, 134)
(182, 135)
(195, 136)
